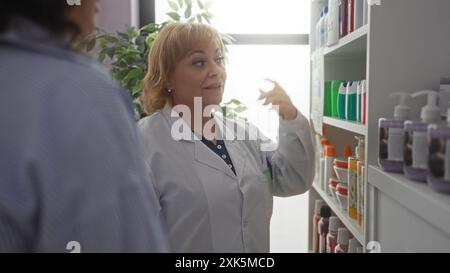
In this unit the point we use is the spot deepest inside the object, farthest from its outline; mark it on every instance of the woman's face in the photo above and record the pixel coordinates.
(84, 15)
(200, 74)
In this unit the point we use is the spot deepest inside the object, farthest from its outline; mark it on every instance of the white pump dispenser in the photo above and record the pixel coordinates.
(430, 112)
(401, 111)
(360, 150)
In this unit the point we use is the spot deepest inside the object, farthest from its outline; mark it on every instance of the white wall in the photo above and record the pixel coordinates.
(115, 14)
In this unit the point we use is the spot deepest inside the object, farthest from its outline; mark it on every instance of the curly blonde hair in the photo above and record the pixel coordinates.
(172, 44)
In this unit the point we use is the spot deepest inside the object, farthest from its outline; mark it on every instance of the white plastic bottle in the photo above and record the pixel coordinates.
(359, 13)
(334, 224)
(359, 89)
(342, 240)
(438, 176)
(316, 218)
(330, 154)
(333, 22)
(353, 245)
(323, 27)
(415, 149)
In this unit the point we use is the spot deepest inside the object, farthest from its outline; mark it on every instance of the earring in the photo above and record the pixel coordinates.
(170, 90)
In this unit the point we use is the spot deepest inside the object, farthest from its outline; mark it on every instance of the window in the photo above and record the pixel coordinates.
(271, 42)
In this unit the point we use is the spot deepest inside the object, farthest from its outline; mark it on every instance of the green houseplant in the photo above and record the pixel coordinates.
(127, 52)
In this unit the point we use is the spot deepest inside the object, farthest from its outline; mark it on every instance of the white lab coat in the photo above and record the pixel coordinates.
(205, 206)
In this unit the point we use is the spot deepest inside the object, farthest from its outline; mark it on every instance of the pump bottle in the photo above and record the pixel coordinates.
(415, 150)
(316, 217)
(438, 176)
(390, 136)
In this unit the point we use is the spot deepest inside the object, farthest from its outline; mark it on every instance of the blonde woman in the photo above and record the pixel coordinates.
(215, 192)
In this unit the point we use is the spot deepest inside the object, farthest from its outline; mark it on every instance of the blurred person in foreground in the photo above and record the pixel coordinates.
(71, 170)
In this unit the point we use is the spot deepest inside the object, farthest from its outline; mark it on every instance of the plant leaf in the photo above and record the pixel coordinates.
(91, 44)
(149, 28)
(188, 3)
(137, 88)
(199, 18)
(200, 4)
(123, 35)
(188, 12)
(133, 73)
(149, 40)
(180, 3)
(175, 16)
(207, 17)
(173, 5)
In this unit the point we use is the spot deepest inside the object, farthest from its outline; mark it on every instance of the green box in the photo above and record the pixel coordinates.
(327, 100)
(334, 97)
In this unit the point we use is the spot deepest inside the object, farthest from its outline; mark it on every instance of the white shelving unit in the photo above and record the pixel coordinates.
(416, 196)
(349, 223)
(353, 43)
(402, 201)
(395, 51)
(354, 127)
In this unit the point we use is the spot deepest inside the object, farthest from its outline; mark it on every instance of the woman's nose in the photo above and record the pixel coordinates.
(215, 70)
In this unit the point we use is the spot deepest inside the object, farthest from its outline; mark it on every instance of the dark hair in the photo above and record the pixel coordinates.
(50, 14)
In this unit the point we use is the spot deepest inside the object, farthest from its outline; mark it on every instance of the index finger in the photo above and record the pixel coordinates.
(273, 81)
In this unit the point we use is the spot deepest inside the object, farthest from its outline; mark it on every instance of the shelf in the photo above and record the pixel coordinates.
(346, 125)
(350, 224)
(354, 44)
(418, 197)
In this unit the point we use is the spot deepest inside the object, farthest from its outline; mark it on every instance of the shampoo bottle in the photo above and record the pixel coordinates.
(330, 154)
(359, 9)
(316, 217)
(360, 155)
(415, 154)
(364, 96)
(350, 101)
(325, 213)
(334, 224)
(342, 240)
(323, 143)
(333, 22)
(438, 176)
(343, 18)
(358, 102)
(335, 85)
(390, 138)
(342, 100)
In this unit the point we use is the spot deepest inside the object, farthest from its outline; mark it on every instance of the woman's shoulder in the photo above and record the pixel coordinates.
(154, 125)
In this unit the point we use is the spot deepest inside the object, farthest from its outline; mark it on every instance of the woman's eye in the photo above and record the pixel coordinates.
(198, 63)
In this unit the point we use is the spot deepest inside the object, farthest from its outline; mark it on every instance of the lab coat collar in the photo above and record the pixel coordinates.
(207, 157)
(169, 113)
